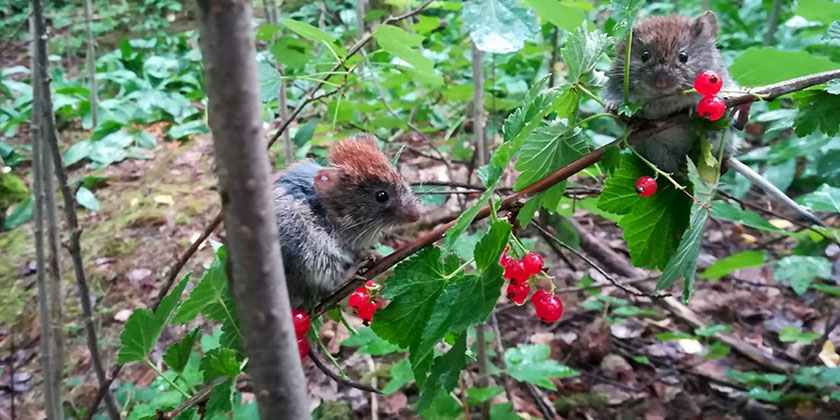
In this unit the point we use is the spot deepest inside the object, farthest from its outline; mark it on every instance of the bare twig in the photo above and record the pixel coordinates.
(200, 397)
(316, 359)
(776, 215)
(15, 34)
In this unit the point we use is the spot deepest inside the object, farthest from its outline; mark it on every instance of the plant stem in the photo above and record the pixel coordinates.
(627, 66)
(591, 95)
(169, 381)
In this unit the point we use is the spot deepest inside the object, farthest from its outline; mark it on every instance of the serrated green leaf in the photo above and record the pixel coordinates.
(763, 66)
(684, 262)
(221, 399)
(791, 334)
(625, 15)
(370, 343)
(211, 296)
(86, 199)
(825, 198)
(490, 247)
(178, 353)
(499, 26)
(619, 195)
(403, 45)
(549, 148)
(565, 16)
(220, 362)
(401, 374)
(143, 327)
(531, 363)
(725, 211)
(445, 373)
(833, 32)
(583, 50)
(801, 271)
(734, 262)
(817, 111)
(654, 226)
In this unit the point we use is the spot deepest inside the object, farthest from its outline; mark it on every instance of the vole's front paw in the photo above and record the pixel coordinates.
(612, 106)
(370, 257)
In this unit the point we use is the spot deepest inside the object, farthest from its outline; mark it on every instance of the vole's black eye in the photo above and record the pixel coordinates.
(683, 57)
(381, 196)
(645, 56)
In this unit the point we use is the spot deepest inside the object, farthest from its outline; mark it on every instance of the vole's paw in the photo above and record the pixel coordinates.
(612, 106)
(370, 257)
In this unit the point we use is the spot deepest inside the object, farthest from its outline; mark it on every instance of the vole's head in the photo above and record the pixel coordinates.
(362, 193)
(667, 53)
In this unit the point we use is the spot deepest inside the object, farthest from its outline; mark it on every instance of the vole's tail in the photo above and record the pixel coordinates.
(772, 191)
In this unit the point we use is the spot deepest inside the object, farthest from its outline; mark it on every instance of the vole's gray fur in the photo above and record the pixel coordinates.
(328, 217)
(666, 55)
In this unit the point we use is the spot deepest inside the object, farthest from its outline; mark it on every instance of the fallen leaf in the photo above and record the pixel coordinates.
(134, 202)
(122, 315)
(690, 345)
(781, 223)
(748, 238)
(138, 274)
(829, 355)
(164, 199)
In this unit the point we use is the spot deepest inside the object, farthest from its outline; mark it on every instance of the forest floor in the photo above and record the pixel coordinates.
(151, 210)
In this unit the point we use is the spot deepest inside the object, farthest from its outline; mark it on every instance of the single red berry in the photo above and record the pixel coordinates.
(302, 323)
(378, 303)
(549, 308)
(711, 108)
(366, 311)
(370, 284)
(539, 295)
(303, 347)
(518, 292)
(359, 297)
(516, 272)
(708, 83)
(645, 186)
(533, 263)
(506, 259)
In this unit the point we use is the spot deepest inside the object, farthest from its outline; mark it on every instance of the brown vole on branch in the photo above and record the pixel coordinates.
(329, 217)
(666, 55)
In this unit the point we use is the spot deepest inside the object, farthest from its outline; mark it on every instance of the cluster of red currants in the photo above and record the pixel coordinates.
(302, 323)
(518, 271)
(708, 84)
(362, 304)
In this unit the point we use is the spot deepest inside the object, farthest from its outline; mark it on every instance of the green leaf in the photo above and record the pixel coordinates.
(684, 262)
(762, 66)
(178, 353)
(833, 32)
(143, 327)
(445, 373)
(563, 16)
(480, 395)
(403, 45)
(654, 226)
(817, 111)
(754, 378)
(307, 31)
(12, 190)
(499, 26)
(825, 198)
(583, 50)
(619, 195)
(734, 262)
(717, 350)
(21, 214)
(668, 336)
(221, 400)
(305, 132)
(791, 334)
(801, 271)
(401, 374)
(186, 129)
(211, 296)
(549, 148)
(625, 15)
(724, 211)
(710, 330)
(220, 362)
(503, 411)
(489, 249)
(818, 10)
(531, 363)
(370, 343)
(86, 199)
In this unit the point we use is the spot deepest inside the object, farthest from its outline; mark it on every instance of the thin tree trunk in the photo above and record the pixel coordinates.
(54, 286)
(47, 132)
(91, 63)
(283, 114)
(257, 280)
(772, 22)
(361, 6)
(481, 156)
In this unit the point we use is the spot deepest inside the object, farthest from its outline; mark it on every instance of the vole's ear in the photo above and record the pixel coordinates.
(706, 25)
(326, 181)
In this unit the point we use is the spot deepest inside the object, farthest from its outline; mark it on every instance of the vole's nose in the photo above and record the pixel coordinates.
(411, 213)
(661, 82)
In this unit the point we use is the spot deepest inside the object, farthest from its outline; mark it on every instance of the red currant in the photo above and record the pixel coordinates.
(549, 308)
(539, 295)
(359, 297)
(646, 186)
(303, 347)
(378, 303)
(516, 272)
(708, 83)
(518, 292)
(302, 323)
(366, 311)
(711, 108)
(533, 263)
(370, 284)
(506, 259)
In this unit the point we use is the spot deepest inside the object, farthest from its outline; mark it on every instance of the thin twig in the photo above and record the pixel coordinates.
(776, 215)
(15, 34)
(200, 397)
(336, 377)
(598, 268)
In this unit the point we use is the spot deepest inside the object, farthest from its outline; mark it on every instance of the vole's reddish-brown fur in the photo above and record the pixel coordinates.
(360, 158)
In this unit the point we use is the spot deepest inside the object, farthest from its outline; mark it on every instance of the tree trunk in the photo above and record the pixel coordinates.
(91, 63)
(772, 22)
(257, 280)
